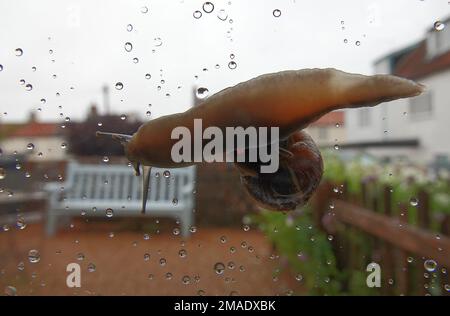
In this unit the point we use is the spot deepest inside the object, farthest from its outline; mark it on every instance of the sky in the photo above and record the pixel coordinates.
(78, 47)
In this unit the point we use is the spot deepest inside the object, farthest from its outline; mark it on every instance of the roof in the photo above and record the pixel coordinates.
(416, 65)
(35, 129)
(330, 119)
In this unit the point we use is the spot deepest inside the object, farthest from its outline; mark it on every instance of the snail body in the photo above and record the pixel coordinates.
(288, 100)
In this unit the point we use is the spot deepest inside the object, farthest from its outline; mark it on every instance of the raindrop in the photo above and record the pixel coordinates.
(22, 82)
(439, 26)
(222, 15)
(135, 60)
(1, 67)
(128, 46)
(28, 87)
(2, 174)
(162, 262)
(197, 14)
(357, 43)
(144, 9)
(157, 41)
(208, 7)
(123, 117)
(109, 212)
(10, 291)
(129, 27)
(30, 146)
(33, 68)
(34, 256)
(336, 147)
(175, 201)
(202, 93)
(176, 231)
(21, 266)
(80, 256)
(414, 201)
(91, 267)
(182, 253)
(276, 13)
(148, 113)
(166, 174)
(148, 76)
(19, 52)
(299, 277)
(223, 239)
(146, 257)
(232, 65)
(20, 223)
(119, 86)
(430, 265)
(186, 279)
(219, 267)
(63, 145)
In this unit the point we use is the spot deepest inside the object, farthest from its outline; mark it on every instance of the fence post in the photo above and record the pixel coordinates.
(423, 221)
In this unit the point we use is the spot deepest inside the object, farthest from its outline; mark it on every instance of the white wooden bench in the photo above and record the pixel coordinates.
(84, 191)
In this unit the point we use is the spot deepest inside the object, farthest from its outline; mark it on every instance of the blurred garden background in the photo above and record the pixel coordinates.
(384, 197)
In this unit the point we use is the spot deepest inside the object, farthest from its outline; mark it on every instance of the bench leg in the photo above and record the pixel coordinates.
(186, 223)
(51, 223)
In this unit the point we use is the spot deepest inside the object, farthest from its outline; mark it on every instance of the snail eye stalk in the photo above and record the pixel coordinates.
(146, 170)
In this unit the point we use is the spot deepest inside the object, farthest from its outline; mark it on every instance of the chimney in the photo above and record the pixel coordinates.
(106, 99)
(93, 111)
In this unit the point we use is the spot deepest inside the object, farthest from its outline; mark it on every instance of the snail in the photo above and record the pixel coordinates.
(289, 100)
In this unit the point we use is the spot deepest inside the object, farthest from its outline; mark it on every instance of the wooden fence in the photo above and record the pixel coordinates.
(364, 231)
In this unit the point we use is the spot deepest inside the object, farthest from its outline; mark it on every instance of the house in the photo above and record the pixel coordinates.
(414, 129)
(329, 129)
(36, 140)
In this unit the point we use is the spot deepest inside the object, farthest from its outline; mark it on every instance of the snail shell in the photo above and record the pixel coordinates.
(298, 175)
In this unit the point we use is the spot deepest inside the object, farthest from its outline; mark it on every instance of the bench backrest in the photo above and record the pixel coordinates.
(118, 184)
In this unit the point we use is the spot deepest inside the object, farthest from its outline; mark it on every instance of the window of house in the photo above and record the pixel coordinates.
(421, 106)
(364, 117)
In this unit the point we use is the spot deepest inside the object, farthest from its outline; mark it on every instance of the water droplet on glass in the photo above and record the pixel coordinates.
(119, 85)
(186, 279)
(222, 15)
(232, 65)
(430, 265)
(162, 261)
(34, 256)
(20, 223)
(219, 267)
(148, 76)
(2, 174)
(413, 201)
(176, 231)
(357, 43)
(19, 52)
(182, 253)
(91, 267)
(197, 14)
(146, 257)
(166, 174)
(202, 93)
(105, 159)
(10, 291)
(439, 26)
(21, 266)
(144, 9)
(63, 145)
(22, 82)
(208, 7)
(128, 46)
(129, 27)
(30, 146)
(157, 41)
(336, 147)
(29, 87)
(223, 239)
(109, 212)
(135, 60)
(1, 67)
(276, 13)
(123, 117)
